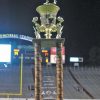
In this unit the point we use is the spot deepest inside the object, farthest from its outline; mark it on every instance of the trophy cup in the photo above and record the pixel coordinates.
(48, 23)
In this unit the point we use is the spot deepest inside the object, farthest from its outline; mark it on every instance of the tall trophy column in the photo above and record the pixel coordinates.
(38, 69)
(59, 72)
(48, 30)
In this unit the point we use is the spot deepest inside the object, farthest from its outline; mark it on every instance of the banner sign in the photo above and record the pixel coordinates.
(17, 36)
(53, 55)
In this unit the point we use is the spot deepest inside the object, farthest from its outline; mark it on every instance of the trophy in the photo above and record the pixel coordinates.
(48, 23)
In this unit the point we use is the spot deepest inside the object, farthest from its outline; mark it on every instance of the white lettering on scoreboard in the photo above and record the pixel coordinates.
(23, 37)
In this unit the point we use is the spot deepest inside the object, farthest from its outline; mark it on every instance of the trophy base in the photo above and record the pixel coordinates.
(48, 42)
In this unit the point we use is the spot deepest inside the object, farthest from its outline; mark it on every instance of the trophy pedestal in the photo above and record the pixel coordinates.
(47, 43)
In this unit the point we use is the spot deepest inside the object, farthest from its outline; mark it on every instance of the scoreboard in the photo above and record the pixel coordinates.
(5, 53)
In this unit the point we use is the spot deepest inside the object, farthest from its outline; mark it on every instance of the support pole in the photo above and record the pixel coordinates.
(38, 71)
(21, 75)
(59, 72)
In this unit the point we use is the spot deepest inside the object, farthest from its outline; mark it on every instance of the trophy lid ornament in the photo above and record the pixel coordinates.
(47, 1)
(48, 21)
